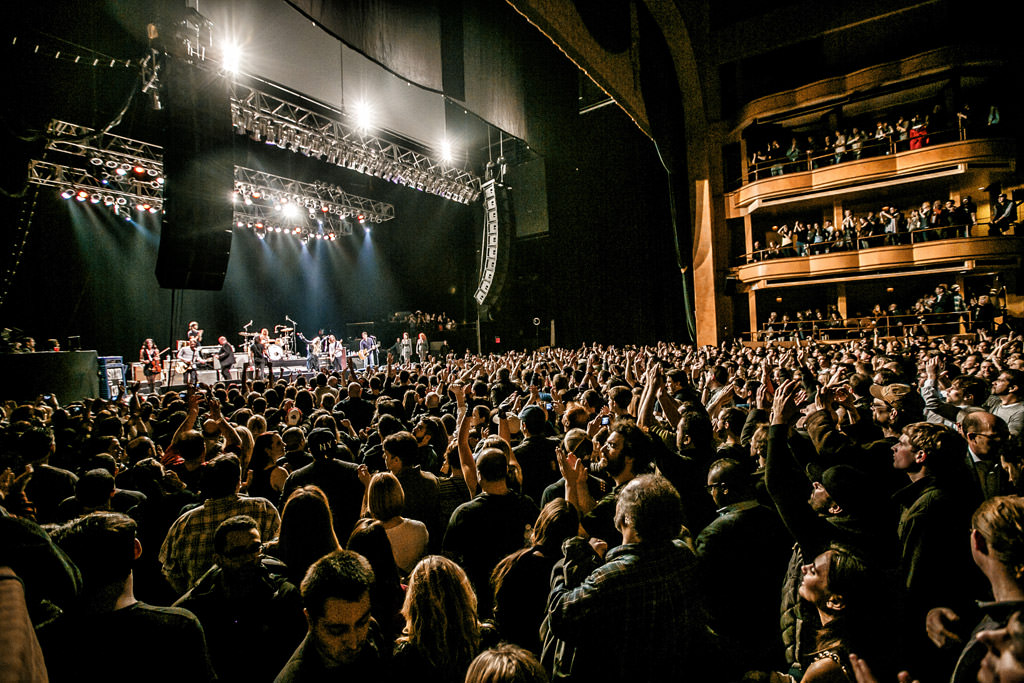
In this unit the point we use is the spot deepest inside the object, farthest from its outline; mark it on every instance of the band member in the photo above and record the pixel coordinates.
(368, 349)
(422, 347)
(149, 356)
(194, 332)
(405, 349)
(312, 350)
(190, 359)
(261, 355)
(339, 357)
(226, 356)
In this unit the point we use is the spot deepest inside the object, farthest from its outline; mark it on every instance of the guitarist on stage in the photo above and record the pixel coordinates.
(149, 356)
(368, 349)
(190, 359)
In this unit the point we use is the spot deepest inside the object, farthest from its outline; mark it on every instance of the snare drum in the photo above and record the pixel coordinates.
(275, 352)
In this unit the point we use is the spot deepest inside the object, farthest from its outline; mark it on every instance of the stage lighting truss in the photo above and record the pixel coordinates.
(337, 140)
(269, 203)
(121, 173)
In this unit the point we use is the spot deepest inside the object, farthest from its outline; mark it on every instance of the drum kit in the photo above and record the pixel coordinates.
(282, 344)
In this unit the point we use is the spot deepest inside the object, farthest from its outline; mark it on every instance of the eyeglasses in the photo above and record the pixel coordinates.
(711, 487)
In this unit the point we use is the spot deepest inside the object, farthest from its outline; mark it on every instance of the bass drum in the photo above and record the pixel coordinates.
(275, 352)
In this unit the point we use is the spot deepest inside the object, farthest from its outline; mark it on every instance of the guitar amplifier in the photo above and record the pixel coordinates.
(138, 373)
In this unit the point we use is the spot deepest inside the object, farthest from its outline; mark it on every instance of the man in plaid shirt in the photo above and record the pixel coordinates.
(637, 617)
(187, 552)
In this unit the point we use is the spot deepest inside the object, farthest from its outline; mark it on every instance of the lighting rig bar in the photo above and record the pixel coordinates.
(314, 198)
(289, 126)
(120, 172)
(105, 148)
(74, 181)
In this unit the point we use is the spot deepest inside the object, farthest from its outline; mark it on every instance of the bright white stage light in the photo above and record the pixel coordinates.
(363, 115)
(232, 58)
(446, 151)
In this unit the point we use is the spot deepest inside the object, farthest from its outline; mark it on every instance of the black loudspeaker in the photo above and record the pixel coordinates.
(195, 238)
(496, 246)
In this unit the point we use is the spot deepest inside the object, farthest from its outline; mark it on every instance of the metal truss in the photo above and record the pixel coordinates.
(310, 197)
(50, 174)
(104, 149)
(289, 126)
(124, 171)
(265, 218)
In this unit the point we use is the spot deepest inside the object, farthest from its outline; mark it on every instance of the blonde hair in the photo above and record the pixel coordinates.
(1001, 521)
(441, 617)
(385, 498)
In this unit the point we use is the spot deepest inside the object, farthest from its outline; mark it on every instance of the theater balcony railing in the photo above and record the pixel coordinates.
(989, 157)
(962, 254)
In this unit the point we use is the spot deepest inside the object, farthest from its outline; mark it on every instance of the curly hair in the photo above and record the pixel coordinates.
(441, 617)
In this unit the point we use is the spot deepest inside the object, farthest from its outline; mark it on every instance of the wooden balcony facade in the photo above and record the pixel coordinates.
(948, 255)
(974, 162)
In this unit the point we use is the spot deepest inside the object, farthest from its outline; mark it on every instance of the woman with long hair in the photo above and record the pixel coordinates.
(267, 477)
(846, 596)
(370, 540)
(442, 633)
(307, 532)
(520, 581)
(385, 501)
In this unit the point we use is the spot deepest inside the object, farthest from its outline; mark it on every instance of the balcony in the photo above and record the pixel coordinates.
(946, 255)
(977, 161)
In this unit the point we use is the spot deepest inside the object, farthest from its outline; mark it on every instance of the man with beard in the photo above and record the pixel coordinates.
(343, 641)
(626, 453)
(245, 605)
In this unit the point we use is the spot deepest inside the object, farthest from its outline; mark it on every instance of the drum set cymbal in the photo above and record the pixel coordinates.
(282, 330)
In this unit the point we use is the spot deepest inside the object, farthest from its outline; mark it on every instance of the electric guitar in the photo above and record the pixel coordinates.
(363, 353)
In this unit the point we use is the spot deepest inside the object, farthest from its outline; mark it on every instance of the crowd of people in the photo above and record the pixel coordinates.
(427, 323)
(817, 513)
(876, 137)
(945, 311)
(890, 226)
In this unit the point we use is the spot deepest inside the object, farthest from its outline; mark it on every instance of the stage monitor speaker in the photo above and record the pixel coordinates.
(496, 245)
(195, 237)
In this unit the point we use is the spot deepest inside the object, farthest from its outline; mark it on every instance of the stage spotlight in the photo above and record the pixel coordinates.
(256, 194)
(151, 172)
(140, 207)
(145, 207)
(239, 224)
(362, 114)
(319, 235)
(361, 218)
(108, 200)
(67, 193)
(160, 180)
(232, 58)
(82, 195)
(248, 202)
(277, 229)
(446, 151)
(121, 201)
(153, 209)
(111, 163)
(121, 172)
(96, 161)
(140, 170)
